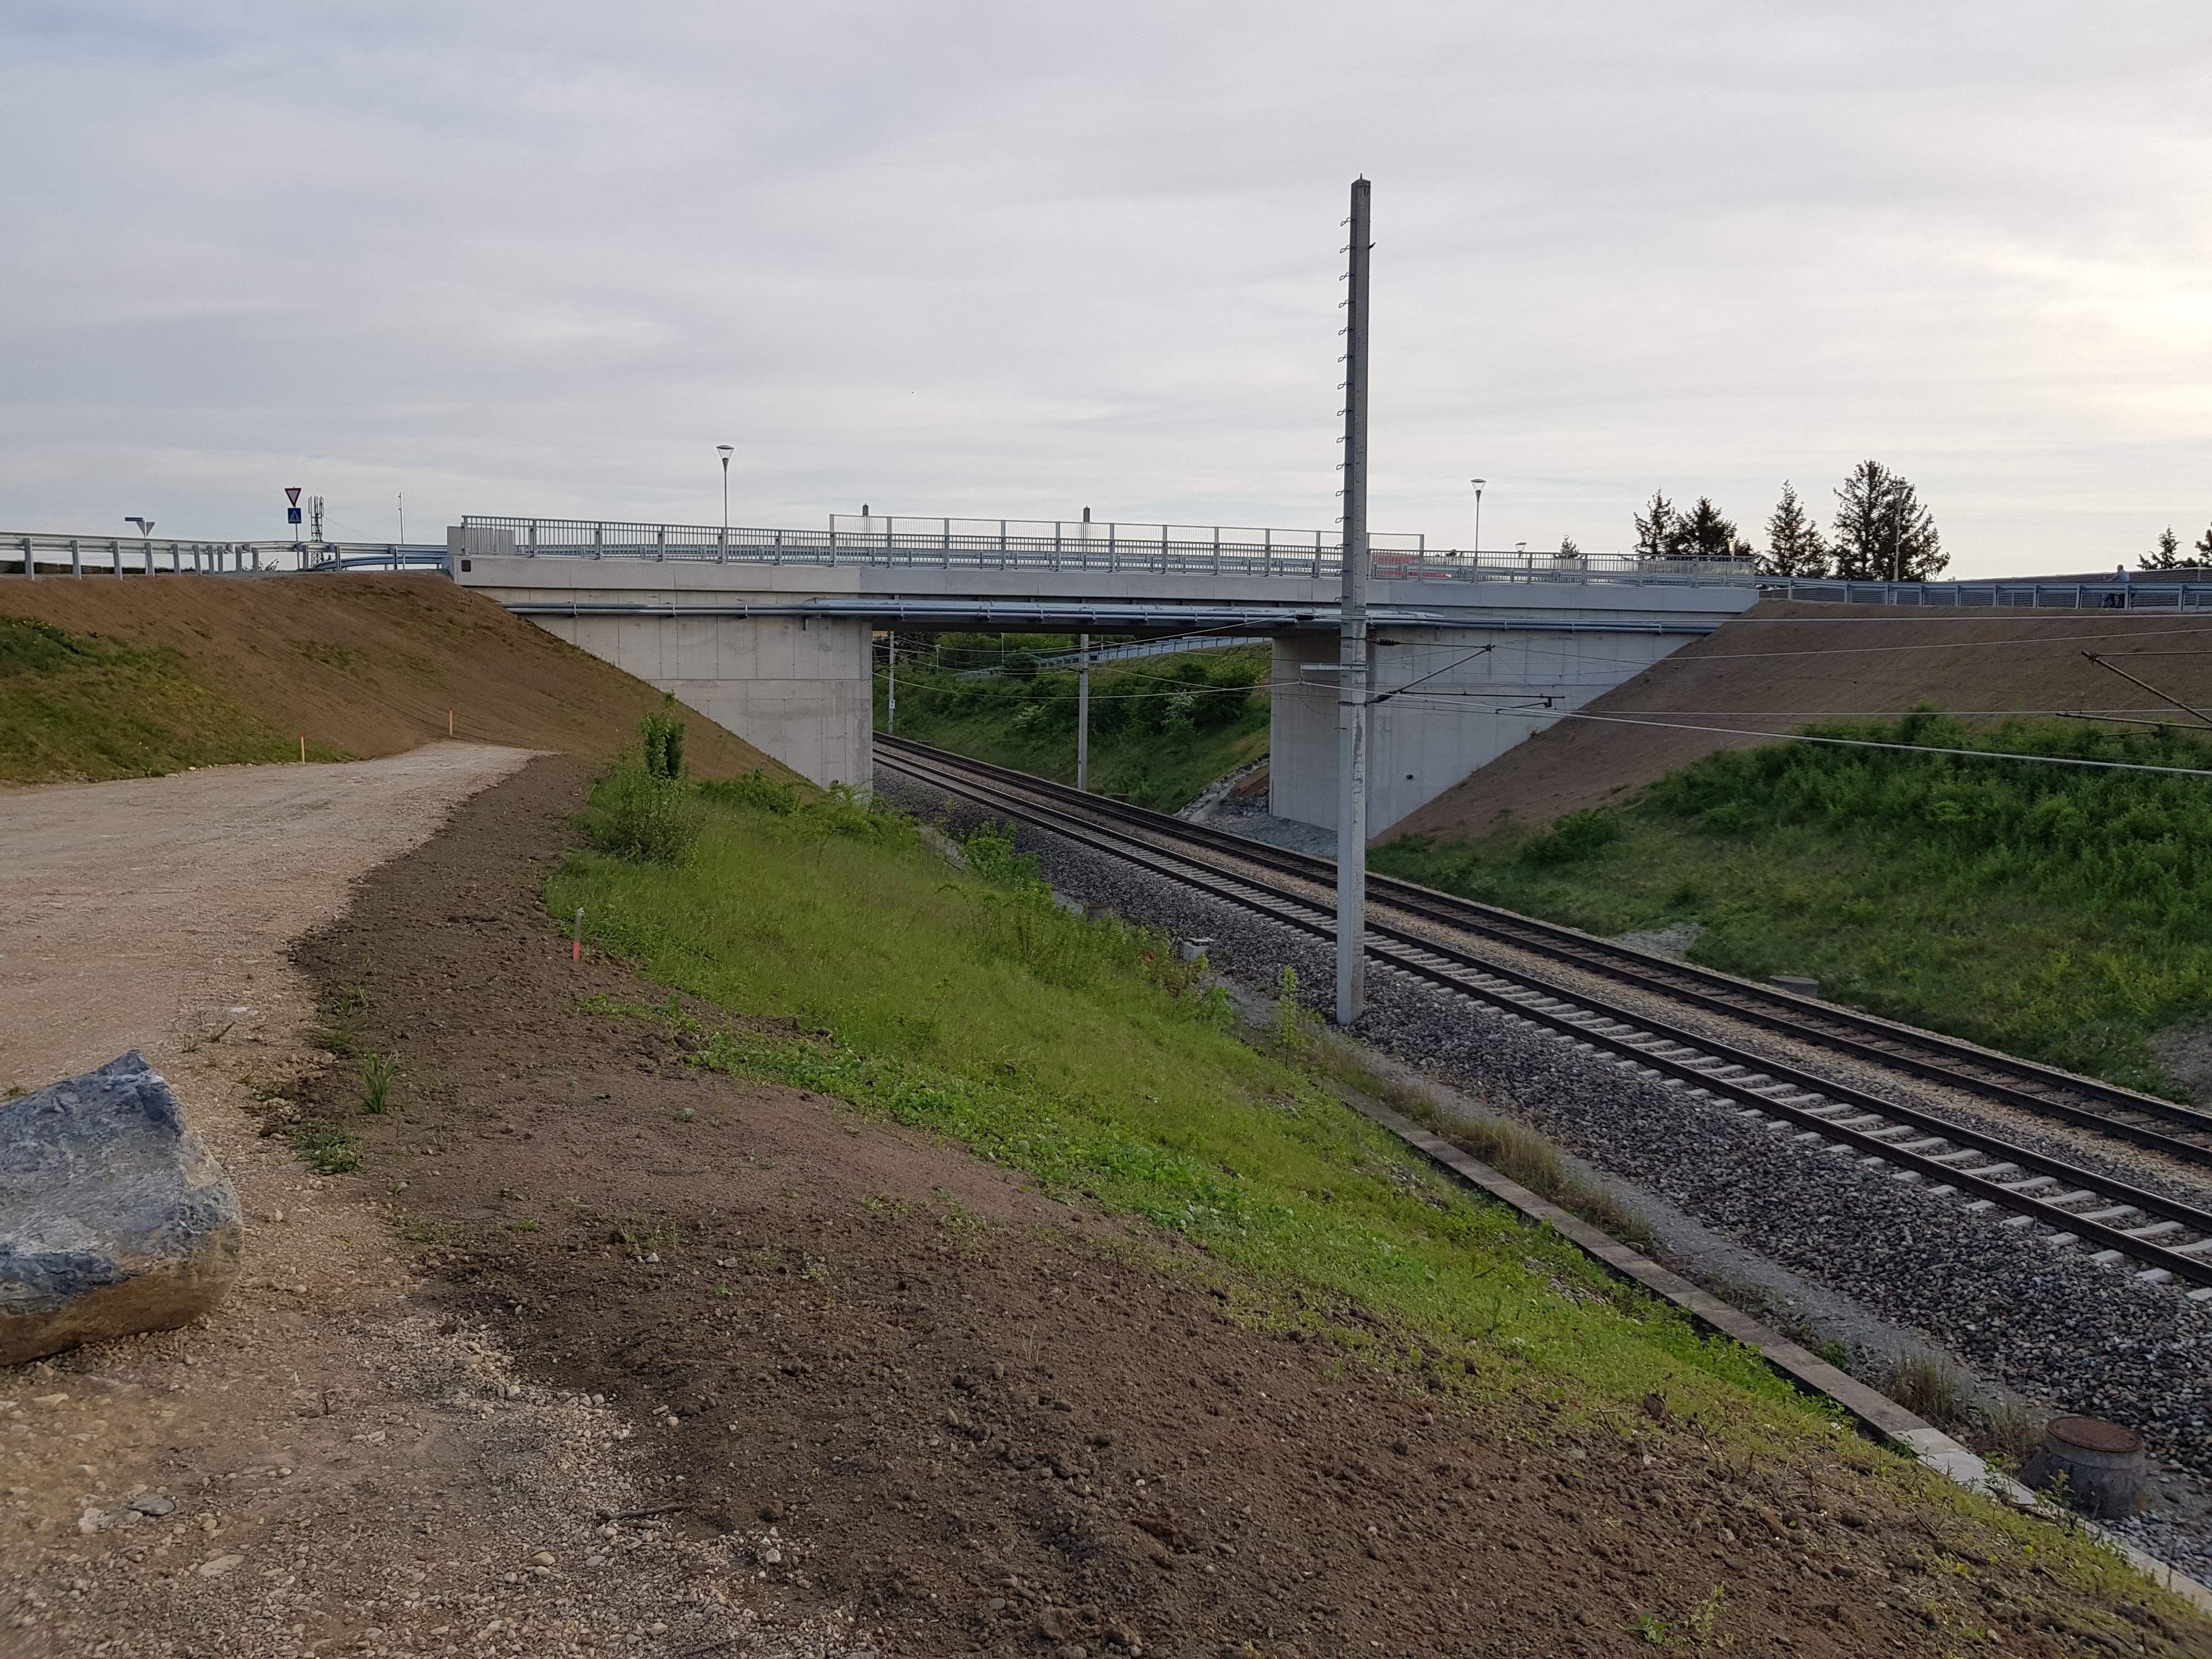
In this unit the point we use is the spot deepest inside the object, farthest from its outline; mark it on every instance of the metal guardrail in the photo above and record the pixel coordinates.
(42, 553)
(1015, 545)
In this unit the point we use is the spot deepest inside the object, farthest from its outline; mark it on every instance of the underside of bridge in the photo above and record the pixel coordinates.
(774, 643)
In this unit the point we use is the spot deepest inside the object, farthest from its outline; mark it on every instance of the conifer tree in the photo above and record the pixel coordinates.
(2166, 555)
(2204, 546)
(1882, 531)
(1795, 545)
(1704, 533)
(1656, 528)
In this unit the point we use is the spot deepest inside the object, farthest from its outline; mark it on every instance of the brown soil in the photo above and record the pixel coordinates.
(1828, 660)
(368, 665)
(599, 1353)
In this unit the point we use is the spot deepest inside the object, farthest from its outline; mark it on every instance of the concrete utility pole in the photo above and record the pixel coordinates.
(1083, 707)
(894, 685)
(1352, 688)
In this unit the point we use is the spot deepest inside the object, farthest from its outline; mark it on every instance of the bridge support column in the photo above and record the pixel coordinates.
(1470, 705)
(801, 689)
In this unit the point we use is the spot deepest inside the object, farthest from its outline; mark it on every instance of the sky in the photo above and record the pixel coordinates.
(1014, 260)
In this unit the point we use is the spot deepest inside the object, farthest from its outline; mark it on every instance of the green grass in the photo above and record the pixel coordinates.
(1086, 1056)
(1162, 728)
(2063, 914)
(78, 705)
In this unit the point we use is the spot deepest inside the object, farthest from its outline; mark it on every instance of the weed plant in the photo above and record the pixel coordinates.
(1087, 1055)
(2061, 913)
(377, 1071)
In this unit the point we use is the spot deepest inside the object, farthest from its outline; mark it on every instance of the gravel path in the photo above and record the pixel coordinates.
(140, 913)
(2050, 1323)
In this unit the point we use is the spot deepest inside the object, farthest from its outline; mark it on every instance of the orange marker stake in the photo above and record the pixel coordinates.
(303, 748)
(576, 948)
(449, 719)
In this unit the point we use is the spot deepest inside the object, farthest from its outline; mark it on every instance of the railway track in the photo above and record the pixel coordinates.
(2048, 1199)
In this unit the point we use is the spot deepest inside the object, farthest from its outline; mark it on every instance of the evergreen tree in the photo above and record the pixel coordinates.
(2204, 546)
(1568, 550)
(2166, 555)
(1656, 528)
(1795, 545)
(1882, 531)
(1702, 534)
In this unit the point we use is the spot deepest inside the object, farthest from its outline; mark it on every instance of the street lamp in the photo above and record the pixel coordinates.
(723, 450)
(1478, 483)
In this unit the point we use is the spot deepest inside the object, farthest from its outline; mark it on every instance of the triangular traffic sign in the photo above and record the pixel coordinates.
(293, 496)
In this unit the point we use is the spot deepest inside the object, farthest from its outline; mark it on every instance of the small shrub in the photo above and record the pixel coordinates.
(755, 789)
(1294, 1022)
(661, 737)
(1574, 837)
(636, 814)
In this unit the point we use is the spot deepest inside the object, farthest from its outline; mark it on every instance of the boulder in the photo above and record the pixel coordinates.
(113, 1215)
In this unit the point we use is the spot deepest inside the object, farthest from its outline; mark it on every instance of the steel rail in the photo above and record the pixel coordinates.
(2019, 1084)
(1698, 1061)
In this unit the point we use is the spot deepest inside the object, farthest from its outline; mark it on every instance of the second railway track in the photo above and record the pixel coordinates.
(2059, 1203)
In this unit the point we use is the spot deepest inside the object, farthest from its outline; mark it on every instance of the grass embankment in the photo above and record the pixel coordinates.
(2060, 913)
(966, 1004)
(1162, 728)
(81, 706)
(108, 679)
(1086, 1056)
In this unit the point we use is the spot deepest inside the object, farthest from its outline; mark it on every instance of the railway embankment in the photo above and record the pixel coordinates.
(1831, 1174)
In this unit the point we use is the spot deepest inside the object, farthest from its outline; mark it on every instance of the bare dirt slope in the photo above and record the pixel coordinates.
(1779, 666)
(368, 665)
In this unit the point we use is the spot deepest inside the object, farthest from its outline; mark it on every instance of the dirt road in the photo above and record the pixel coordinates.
(153, 912)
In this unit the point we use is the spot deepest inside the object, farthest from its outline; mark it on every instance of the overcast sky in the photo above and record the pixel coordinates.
(1017, 260)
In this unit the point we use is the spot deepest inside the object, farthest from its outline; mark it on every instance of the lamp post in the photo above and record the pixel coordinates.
(1478, 483)
(723, 450)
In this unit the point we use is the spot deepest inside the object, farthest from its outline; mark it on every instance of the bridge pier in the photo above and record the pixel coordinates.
(1445, 700)
(795, 687)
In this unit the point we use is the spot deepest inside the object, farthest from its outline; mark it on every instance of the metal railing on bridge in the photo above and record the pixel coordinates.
(887, 540)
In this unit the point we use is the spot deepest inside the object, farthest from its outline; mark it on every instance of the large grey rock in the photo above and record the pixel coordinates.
(113, 1215)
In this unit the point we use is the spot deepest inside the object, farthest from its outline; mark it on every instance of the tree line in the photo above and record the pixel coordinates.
(1882, 531)
(2167, 555)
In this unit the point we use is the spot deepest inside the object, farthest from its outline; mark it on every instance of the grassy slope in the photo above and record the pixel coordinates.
(2056, 913)
(115, 678)
(1076, 1053)
(1162, 728)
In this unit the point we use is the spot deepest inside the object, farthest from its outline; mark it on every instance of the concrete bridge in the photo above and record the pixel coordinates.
(771, 631)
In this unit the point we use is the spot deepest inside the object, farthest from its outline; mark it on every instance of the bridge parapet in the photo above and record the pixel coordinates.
(886, 542)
